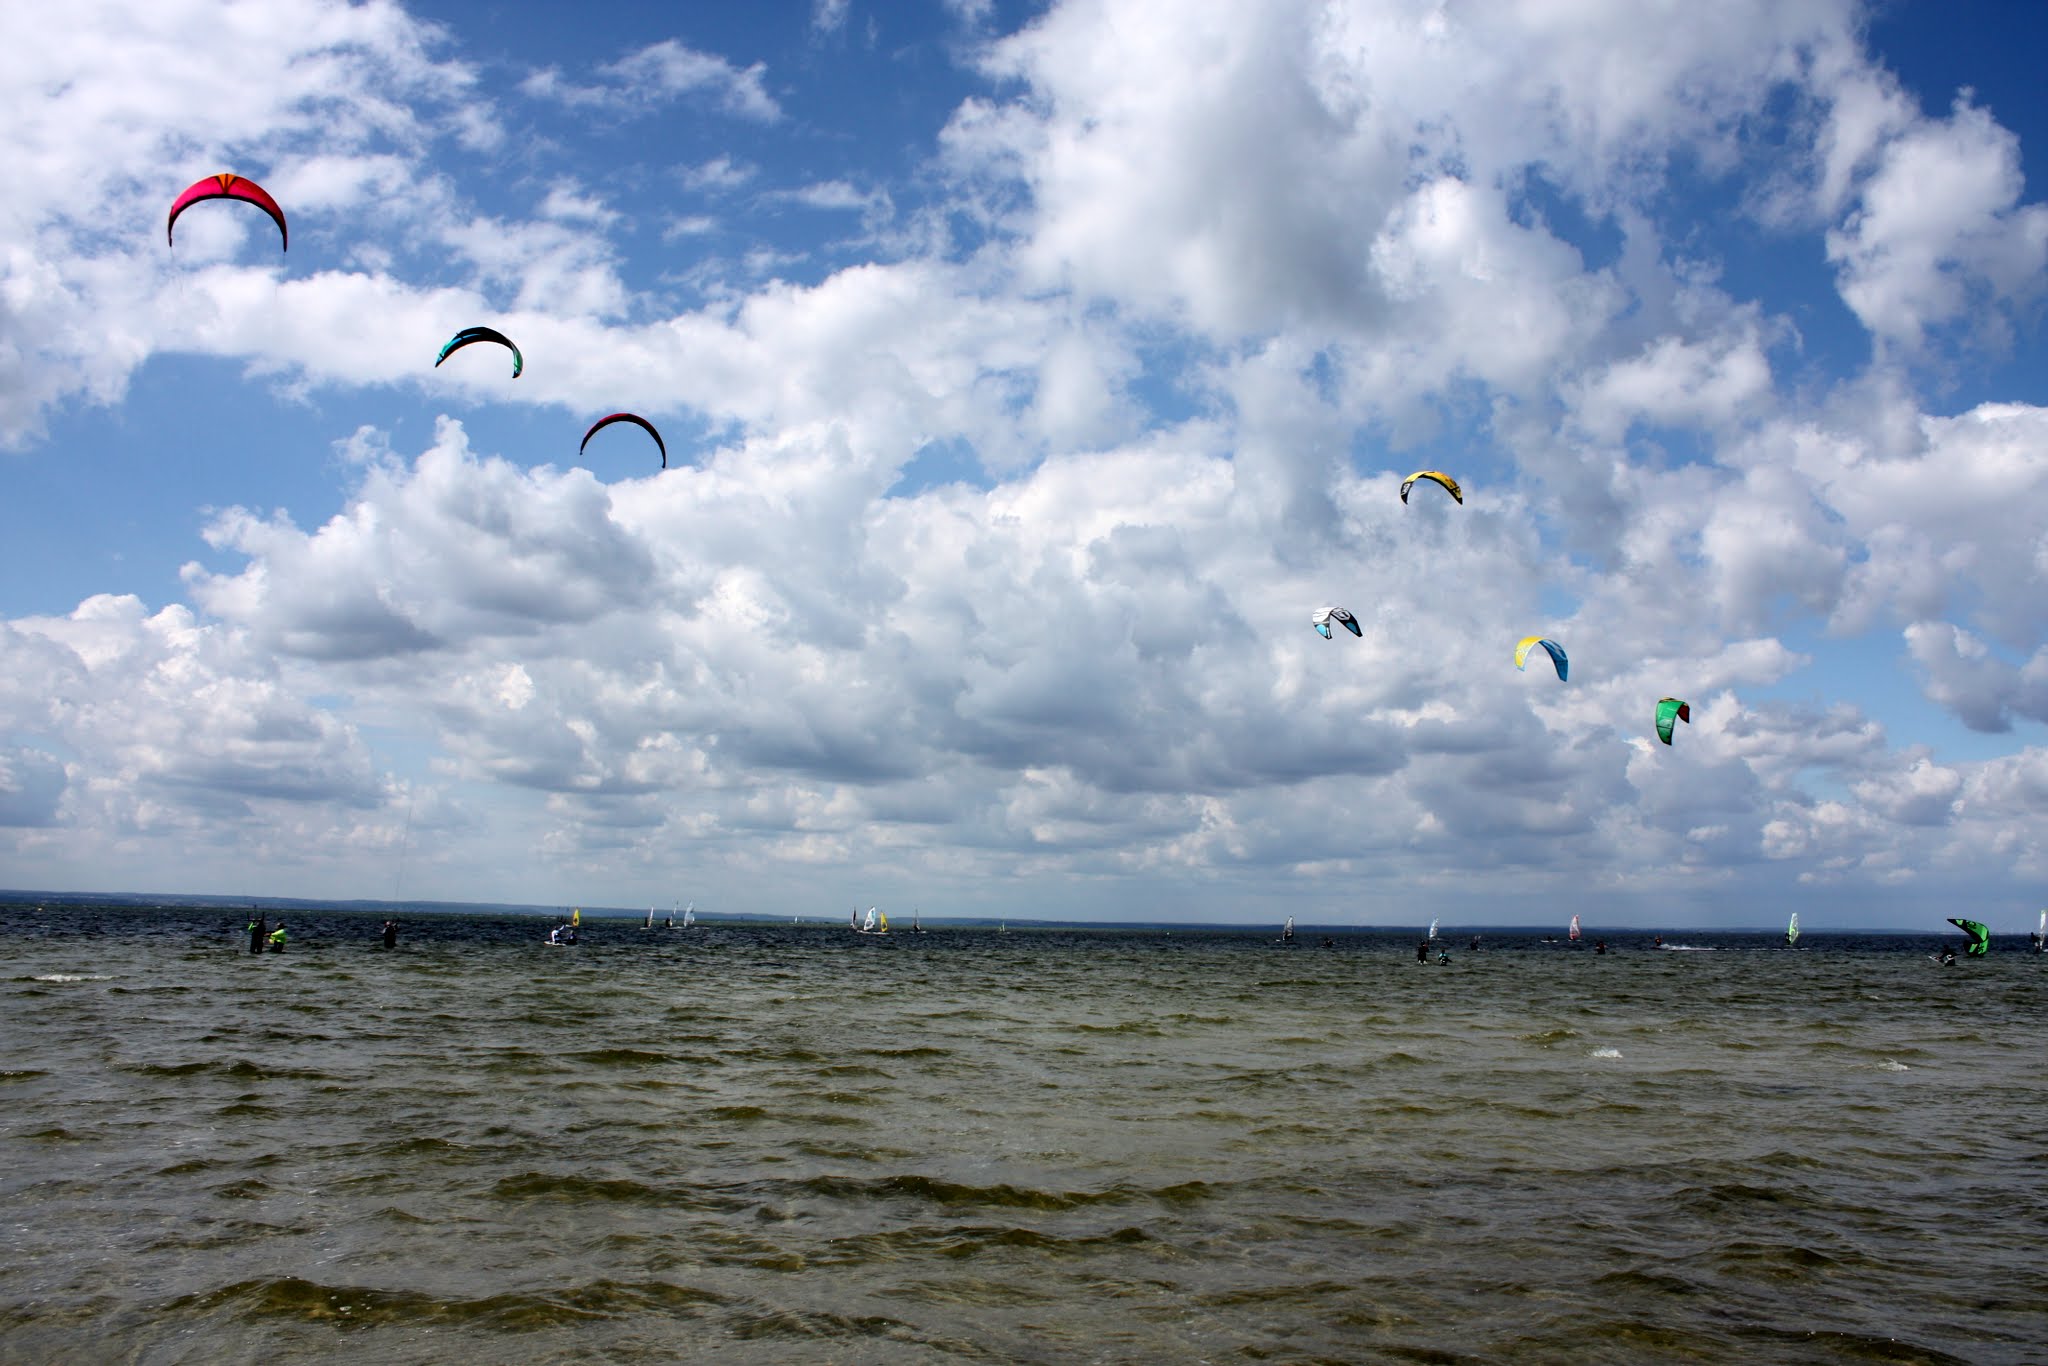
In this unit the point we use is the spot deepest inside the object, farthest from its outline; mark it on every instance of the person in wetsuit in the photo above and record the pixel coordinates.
(277, 938)
(258, 932)
(391, 934)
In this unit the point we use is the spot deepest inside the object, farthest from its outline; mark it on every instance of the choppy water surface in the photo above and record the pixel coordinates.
(799, 1144)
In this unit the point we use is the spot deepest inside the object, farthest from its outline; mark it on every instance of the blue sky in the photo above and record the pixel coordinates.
(1030, 374)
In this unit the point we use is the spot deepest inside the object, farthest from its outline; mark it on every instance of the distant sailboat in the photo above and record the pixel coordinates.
(650, 919)
(2041, 933)
(1573, 935)
(690, 916)
(873, 923)
(916, 925)
(1792, 931)
(1287, 931)
(1432, 929)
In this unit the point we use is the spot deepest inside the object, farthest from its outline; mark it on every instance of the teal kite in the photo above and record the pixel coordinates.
(481, 334)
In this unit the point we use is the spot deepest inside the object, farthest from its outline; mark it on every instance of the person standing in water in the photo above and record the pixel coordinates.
(277, 938)
(391, 934)
(257, 933)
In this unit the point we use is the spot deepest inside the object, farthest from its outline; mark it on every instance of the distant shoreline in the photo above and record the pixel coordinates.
(1451, 937)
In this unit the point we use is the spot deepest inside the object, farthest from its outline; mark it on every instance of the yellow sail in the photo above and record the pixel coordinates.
(576, 916)
(882, 924)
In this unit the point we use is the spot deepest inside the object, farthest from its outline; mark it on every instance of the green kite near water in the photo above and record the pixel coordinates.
(1980, 936)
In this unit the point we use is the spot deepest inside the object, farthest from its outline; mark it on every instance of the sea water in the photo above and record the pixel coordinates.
(798, 1144)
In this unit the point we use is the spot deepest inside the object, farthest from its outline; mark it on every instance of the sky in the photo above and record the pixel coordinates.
(1029, 375)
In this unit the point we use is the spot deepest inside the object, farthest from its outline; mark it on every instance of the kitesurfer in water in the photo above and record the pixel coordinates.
(1600, 946)
(391, 934)
(1422, 951)
(277, 938)
(1948, 958)
(258, 931)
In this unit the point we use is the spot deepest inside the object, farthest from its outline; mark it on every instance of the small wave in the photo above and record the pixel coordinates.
(1549, 1037)
(737, 1114)
(1890, 1066)
(1605, 1053)
(289, 1297)
(579, 1189)
(621, 1057)
(956, 1194)
(73, 977)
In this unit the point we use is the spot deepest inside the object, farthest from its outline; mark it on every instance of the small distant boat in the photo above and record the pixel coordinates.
(1792, 931)
(1573, 933)
(916, 925)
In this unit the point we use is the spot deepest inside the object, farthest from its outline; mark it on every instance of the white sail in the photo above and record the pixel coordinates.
(867, 926)
(1575, 930)
(1287, 930)
(650, 919)
(1432, 927)
(1792, 930)
(690, 916)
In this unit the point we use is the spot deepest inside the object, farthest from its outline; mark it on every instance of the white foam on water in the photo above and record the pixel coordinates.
(74, 977)
(1889, 1066)
(1607, 1052)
